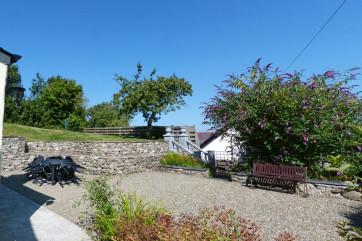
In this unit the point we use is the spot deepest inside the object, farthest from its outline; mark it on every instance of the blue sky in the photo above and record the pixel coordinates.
(201, 41)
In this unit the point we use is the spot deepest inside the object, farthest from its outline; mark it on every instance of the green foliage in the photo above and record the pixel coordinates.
(11, 113)
(177, 159)
(50, 103)
(105, 115)
(348, 232)
(283, 119)
(12, 78)
(109, 208)
(38, 86)
(343, 170)
(128, 217)
(151, 97)
(210, 224)
(63, 98)
(241, 167)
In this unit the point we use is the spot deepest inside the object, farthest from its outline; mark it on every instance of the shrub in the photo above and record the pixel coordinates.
(129, 217)
(176, 159)
(210, 224)
(108, 208)
(281, 119)
(349, 232)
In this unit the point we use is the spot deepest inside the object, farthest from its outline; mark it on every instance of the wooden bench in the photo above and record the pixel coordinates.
(275, 175)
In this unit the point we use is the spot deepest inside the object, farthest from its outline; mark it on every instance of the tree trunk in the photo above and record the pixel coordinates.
(149, 125)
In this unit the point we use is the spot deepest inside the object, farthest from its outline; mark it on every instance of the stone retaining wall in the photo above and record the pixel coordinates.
(96, 157)
(202, 172)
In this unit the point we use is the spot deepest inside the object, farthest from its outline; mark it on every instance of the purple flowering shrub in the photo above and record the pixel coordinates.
(283, 119)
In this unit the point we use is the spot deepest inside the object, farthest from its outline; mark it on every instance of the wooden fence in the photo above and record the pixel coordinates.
(141, 131)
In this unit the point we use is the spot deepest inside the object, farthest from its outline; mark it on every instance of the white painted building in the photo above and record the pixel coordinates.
(6, 59)
(218, 143)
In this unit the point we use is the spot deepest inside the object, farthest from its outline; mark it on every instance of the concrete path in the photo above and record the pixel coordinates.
(24, 220)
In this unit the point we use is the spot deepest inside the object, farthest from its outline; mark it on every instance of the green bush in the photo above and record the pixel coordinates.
(282, 119)
(210, 224)
(349, 232)
(125, 216)
(176, 159)
(110, 205)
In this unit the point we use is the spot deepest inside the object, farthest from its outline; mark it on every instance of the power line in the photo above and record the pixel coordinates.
(320, 30)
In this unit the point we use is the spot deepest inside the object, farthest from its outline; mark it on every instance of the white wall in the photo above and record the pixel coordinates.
(3, 74)
(225, 143)
(219, 144)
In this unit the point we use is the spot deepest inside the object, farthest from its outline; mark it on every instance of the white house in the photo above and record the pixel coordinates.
(219, 143)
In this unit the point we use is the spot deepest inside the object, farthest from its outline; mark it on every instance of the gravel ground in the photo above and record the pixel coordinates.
(311, 218)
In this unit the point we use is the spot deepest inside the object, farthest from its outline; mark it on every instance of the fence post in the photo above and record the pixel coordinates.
(197, 155)
(183, 137)
(211, 155)
(168, 137)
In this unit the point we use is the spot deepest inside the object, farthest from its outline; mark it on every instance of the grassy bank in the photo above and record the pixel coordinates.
(39, 134)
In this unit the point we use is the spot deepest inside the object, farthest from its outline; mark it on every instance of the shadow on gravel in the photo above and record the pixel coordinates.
(16, 212)
(355, 218)
(16, 183)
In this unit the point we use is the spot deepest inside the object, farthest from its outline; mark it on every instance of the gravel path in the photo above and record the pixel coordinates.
(311, 218)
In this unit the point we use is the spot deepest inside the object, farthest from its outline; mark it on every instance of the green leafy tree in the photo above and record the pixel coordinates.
(63, 98)
(149, 96)
(11, 113)
(282, 119)
(38, 86)
(12, 78)
(105, 115)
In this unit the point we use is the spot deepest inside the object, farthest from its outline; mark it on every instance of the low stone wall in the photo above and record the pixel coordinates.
(239, 177)
(96, 157)
(201, 172)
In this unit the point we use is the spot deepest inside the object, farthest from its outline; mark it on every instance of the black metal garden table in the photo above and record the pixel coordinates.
(54, 169)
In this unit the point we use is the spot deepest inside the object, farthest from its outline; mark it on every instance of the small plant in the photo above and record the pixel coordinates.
(348, 232)
(211, 224)
(108, 208)
(126, 216)
(133, 207)
(286, 237)
(176, 159)
(241, 167)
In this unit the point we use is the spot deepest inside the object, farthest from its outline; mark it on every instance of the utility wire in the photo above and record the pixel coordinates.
(320, 30)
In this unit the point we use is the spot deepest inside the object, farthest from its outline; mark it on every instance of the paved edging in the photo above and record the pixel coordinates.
(23, 219)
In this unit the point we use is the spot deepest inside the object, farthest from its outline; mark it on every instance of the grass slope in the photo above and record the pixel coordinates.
(38, 134)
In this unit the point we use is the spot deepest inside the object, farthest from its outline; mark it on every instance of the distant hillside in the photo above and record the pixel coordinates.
(38, 134)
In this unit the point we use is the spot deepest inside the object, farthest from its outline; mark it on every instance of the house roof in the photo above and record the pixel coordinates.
(8, 58)
(205, 138)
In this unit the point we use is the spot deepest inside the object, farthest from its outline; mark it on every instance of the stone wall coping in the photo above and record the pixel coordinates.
(98, 141)
(327, 183)
(239, 173)
(181, 167)
(24, 139)
(20, 137)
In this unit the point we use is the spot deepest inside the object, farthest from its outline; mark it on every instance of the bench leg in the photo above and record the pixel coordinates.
(306, 194)
(251, 184)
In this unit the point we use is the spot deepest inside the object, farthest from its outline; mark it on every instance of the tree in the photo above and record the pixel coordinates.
(13, 77)
(64, 99)
(11, 112)
(282, 119)
(105, 115)
(151, 97)
(38, 86)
